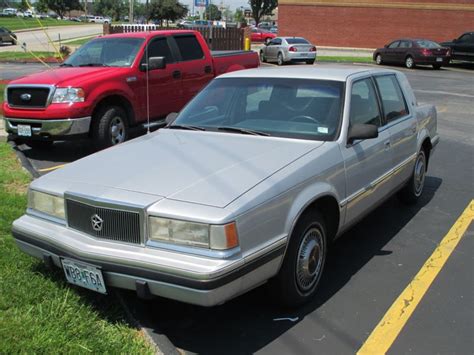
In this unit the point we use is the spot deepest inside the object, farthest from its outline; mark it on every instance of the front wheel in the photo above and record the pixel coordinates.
(378, 59)
(413, 190)
(304, 261)
(110, 127)
(410, 62)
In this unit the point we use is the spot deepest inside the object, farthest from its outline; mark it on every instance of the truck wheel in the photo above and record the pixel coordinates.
(304, 261)
(110, 127)
(280, 60)
(410, 62)
(413, 190)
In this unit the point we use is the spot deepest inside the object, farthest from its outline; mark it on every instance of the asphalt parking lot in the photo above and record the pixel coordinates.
(368, 268)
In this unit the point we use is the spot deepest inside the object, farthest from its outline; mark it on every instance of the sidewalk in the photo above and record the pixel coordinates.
(3, 134)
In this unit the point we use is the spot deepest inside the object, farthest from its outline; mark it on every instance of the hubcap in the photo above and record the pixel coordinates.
(117, 130)
(409, 62)
(378, 59)
(419, 174)
(310, 260)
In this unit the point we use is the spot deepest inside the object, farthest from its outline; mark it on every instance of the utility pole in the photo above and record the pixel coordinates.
(130, 11)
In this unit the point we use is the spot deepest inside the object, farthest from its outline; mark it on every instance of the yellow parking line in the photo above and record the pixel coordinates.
(385, 333)
(51, 168)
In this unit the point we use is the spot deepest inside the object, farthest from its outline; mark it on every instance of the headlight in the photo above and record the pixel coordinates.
(46, 203)
(219, 237)
(68, 95)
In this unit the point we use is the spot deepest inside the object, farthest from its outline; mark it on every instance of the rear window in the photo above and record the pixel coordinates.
(427, 44)
(189, 47)
(296, 41)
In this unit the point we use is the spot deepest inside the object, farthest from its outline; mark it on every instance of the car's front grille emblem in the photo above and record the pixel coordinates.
(96, 222)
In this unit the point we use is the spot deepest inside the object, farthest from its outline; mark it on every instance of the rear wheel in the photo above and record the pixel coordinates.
(280, 60)
(414, 187)
(378, 59)
(311, 61)
(301, 271)
(110, 127)
(410, 62)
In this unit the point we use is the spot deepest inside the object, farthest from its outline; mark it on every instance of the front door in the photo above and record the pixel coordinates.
(463, 48)
(367, 162)
(391, 52)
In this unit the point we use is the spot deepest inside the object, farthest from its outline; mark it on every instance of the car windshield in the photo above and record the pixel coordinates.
(427, 44)
(296, 41)
(109, 52)
(290, 108)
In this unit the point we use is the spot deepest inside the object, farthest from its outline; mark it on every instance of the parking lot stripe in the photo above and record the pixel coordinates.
(385, 333)
(51, 168)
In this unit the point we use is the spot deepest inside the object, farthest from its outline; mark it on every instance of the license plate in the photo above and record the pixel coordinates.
(24, 130)
(439, 59)
(84, 275)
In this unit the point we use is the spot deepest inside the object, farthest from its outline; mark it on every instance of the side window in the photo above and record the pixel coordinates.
(393, 102)
(159, 48)
(277, 41)
(394, 44)
(189, 47)
(364, 106)
(467, 38)
(405, 44)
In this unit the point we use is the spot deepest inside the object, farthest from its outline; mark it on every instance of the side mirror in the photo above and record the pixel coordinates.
(362, 131)
(170, 118)
(153, 64)
(455, 40)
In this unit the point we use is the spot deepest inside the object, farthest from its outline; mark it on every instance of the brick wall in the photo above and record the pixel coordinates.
(371, 27)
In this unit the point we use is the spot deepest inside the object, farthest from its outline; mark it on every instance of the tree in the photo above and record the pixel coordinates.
(115, 9)
(239, 16)
(213, 13)
(41, 6)
(227, 14)
(262, 8)
(62, 6)
(166, 10)
(23, 6)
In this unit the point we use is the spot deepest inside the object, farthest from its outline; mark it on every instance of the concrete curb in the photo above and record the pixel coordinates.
(25, 162)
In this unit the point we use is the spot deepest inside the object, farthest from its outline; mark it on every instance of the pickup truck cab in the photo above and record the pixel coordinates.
(462, 48)
(251, 182)
(115, 83)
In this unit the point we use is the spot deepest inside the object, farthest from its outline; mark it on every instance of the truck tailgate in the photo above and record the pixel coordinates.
(228, 61)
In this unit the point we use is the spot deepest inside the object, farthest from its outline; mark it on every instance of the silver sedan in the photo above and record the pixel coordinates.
(288, 49)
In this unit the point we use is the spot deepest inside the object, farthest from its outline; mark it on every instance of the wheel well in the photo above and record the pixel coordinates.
(426, 146)
(116, 100)
(328, 207)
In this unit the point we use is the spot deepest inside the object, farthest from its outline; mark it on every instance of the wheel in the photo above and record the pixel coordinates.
(304, 261)
(378, 59)
(413, 190)
(39, 144)
(310, 62)
(262, 57)
(436, 66)
(110, 127)
(280, 60)
(409, 62)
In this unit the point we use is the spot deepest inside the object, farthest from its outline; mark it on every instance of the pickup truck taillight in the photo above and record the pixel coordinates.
(426, 52)
(293, 49)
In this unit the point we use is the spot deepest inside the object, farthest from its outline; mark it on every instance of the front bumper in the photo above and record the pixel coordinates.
(192, 279)
(50, 129)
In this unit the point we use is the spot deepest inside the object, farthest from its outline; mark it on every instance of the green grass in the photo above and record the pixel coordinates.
(344, 59)
(18, 56)
(78, 42)
(22, 23)
(2, 92)
(39, 312)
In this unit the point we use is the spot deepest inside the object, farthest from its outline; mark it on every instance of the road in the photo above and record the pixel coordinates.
(38, 40)
(368, 267)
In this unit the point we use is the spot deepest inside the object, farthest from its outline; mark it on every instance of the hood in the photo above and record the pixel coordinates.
(68, 76)
(207, 168)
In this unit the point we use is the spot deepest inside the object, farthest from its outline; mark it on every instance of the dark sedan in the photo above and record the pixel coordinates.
(7, 36)
(413, 52)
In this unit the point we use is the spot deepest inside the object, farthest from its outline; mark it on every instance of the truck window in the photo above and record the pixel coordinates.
(364, 106)
(189, 47)
(393, 102)
(159, 48)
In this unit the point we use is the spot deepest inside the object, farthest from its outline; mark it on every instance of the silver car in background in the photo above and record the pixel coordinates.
(288, 50)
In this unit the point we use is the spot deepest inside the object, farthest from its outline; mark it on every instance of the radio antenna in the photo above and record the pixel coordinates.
(147, 89)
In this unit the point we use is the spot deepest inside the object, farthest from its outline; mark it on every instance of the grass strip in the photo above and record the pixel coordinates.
(39, 312)
(21, 56)
(344, 59)
(23, 23)
(78, 42)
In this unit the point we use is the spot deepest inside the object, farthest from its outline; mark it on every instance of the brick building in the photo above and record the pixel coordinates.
(373, 23)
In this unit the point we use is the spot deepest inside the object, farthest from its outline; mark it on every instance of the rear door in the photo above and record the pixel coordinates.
(195, 65)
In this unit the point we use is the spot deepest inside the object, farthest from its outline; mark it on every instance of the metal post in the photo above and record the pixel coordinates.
(130, 11)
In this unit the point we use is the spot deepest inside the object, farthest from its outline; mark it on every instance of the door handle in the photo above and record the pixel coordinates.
(176, 74)
(387, 144)
(207, 69)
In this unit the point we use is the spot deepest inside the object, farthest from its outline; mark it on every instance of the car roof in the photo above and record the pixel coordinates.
(326, 72)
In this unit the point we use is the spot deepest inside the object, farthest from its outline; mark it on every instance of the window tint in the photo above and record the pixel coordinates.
(467, 38)
(160, 48)
(427, 44)
(297, 41)
(364, 107)
(392, 97)
(189, 47)
(394, 44)
(405, 44)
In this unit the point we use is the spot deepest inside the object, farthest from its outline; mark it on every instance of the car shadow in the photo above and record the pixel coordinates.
(246, 324)
(59, 152)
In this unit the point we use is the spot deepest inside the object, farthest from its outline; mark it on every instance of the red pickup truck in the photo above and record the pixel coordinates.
(114, 84)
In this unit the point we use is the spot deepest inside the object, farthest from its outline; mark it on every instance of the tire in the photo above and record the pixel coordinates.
(39, 144)
(301, 271)
(436, 66)
(310, 62)
(280, 60)
(410, 62)
(14, 42)
(412, 191)
(378, 59)
(109, 127)
(262, 57)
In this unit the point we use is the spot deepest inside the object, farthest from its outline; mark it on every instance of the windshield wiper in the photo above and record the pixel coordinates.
(188, 127)
(243, 131)
(93, 65)
(66, 65)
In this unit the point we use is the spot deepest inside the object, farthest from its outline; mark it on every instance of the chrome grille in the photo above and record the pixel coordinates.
(117, 225)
